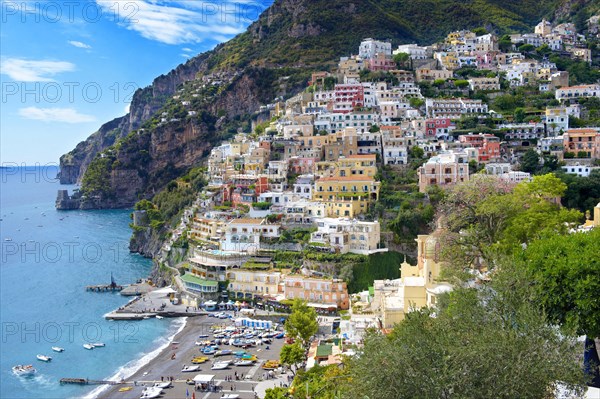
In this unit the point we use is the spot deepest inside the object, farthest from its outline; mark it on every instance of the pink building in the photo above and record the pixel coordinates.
(381, 62)
(487, 145)
(347, 97)
(436, 127)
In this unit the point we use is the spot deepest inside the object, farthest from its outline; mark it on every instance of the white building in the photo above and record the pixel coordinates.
(580, 170)
(303, 186)
(345, 235)
(370, 47)
(454, 108)
(415, 52)
(243, 235)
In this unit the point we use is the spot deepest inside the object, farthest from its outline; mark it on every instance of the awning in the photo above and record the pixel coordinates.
(204, 378)
(165, 291)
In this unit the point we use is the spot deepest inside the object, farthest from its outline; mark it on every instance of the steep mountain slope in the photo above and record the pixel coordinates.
(272, 58)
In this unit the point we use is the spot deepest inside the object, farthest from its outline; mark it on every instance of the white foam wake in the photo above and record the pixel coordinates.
(132, 367)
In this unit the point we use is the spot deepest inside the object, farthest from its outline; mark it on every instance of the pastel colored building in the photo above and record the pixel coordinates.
(318, 292)
(443, 170)
(580, 141)
(343, 235)
(488, 145)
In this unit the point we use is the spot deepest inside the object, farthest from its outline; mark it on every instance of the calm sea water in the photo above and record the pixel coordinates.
(47, 259)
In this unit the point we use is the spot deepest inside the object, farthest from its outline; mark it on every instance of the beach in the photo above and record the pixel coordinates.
(168, 364)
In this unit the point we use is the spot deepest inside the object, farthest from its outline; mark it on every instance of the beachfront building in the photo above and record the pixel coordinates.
(252, 282)
(342, 235)
(198, 285)
(444, 170)
(321, 293)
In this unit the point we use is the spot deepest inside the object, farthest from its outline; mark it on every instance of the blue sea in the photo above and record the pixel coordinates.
(47, 259)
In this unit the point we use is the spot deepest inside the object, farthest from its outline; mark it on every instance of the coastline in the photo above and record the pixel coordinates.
(131, 369)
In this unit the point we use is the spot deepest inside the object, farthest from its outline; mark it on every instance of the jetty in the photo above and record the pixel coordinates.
(85, 381)
(112, 287)
(104, 288)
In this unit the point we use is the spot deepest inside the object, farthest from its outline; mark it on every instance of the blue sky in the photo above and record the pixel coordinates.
(66, 67)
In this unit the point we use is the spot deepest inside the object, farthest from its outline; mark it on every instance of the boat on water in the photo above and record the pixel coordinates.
(159, 317)
(98, 344)
(88, 346)
(44, 358)
(24, 370)
(190, 369)
(58, 349)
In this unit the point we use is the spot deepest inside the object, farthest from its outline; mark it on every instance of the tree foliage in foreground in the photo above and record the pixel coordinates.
(483, 343)
(486, 217)
(302, 323)
(566, 272)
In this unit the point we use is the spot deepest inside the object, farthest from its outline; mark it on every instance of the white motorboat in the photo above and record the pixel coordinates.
(98, 344)
(220, 366)
(163, 385)
(151, 392)
(88, 346)
(159, 317)
(24, 370)
(44, 358)
(58, 349)
(243, 363)
(189, 369)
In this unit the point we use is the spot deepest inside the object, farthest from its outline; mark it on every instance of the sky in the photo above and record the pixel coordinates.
(68, 66)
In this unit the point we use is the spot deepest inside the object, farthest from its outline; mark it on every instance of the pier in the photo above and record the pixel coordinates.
(104, 288)
(85, 381)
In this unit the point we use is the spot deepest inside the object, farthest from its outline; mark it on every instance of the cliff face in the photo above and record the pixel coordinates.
(272, 58)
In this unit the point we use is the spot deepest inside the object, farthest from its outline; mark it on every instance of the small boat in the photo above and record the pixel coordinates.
(243, 363)
(199, 359)
(230, 396)
(88, 346)
(24, 370)
(190, 369)
(159, 317)
(151, 392)
(8, 239)
(220, 366)
(58, 349)
(162, 385)
(44, 358)
(98, 344)
(125, 389)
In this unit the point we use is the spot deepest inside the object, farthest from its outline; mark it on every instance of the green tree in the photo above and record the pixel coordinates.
(480, 31)
(489, 343)
(526, 48)
(401, 59)
(461, 84)
(530, 161)
(416, 152)
(302, 323)
(519, 115)
(276, 393)
(292, 355)
(566, 271)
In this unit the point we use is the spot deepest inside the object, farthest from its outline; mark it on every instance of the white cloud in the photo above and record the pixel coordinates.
(179, 22)
(184, 55)
(66, 115)
(187, 50)
(79, 44)
(33, 71)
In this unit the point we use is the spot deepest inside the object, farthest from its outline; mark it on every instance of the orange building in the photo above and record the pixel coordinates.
(318, 292)
(580, 141)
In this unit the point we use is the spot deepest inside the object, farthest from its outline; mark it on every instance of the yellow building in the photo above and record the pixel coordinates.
(346, 196)
(352, 165)
(206, 229)
(248, 283)
(418, 285)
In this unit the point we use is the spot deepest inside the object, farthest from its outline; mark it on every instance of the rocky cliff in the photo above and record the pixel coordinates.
(160, 139)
